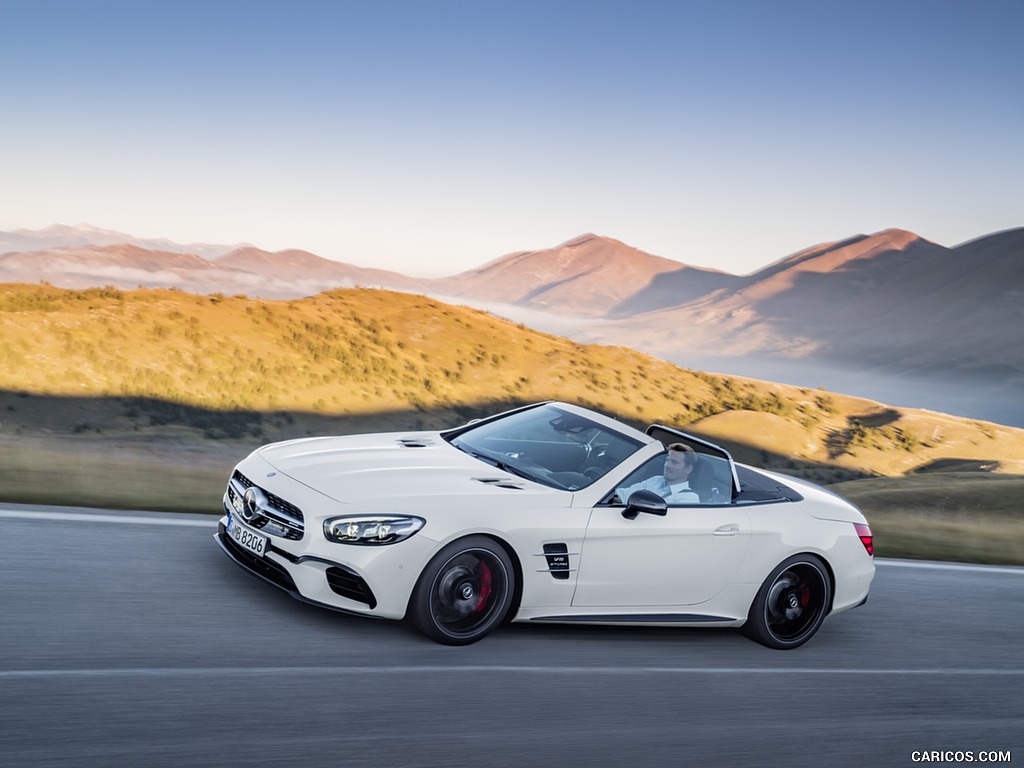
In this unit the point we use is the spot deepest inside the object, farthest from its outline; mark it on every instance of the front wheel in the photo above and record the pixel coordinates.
(791, 604)
(464, 592)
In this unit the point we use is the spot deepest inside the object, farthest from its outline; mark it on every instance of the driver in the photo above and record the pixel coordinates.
(674, 484)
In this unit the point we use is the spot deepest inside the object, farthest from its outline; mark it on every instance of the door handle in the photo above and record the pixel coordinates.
(726, 530)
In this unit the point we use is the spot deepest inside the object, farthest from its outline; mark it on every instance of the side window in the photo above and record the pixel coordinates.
(644, 478)
(682, 480)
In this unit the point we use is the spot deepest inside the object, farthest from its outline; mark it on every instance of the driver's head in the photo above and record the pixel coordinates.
(679, 463)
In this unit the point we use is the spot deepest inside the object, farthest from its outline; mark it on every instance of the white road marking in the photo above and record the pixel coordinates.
(935, 566)
(29, 674)
(88, 517)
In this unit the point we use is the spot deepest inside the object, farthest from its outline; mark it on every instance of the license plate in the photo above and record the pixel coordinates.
(247, 539)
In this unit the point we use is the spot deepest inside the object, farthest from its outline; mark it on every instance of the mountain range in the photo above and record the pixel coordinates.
(891, 304)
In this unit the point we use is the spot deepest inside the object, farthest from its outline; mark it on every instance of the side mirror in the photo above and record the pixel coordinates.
(644, 501)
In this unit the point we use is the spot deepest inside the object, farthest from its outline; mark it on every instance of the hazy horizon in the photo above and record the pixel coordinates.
(484, 259)
(428, 139)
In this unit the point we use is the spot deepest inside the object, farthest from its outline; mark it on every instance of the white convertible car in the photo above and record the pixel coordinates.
(548, 513)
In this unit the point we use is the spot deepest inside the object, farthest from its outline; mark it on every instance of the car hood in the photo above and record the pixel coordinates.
(414, 468)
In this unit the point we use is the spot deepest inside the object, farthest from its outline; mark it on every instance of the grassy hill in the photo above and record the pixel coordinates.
(169, 389)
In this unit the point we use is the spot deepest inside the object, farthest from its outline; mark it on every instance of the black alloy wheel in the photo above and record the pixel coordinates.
(791, 604)
(464, 592)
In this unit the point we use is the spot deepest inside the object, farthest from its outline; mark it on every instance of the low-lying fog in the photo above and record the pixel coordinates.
(987, 399)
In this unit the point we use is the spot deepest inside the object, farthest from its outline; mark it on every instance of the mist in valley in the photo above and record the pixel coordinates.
(971, 397)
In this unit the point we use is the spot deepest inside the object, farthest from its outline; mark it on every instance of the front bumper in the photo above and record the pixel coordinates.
(372, 581)
(273, 573)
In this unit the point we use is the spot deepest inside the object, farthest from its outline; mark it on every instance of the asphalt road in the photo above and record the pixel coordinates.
(129, 639)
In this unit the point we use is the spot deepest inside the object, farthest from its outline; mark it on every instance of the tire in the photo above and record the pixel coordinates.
(464, 592)
(791, 604)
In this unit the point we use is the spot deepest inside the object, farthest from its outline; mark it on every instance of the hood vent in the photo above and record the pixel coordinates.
(409, 442)
(499, 482)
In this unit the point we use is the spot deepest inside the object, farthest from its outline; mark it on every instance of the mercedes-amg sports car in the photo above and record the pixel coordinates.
(547, 513)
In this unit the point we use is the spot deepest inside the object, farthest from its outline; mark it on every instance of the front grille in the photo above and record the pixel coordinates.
(277, 517)
(349, 584)
(287, 506)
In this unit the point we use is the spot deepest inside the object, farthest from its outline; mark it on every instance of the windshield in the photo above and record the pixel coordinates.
(547, 445)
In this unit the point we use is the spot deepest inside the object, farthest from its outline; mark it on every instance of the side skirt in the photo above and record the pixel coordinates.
(637, 618)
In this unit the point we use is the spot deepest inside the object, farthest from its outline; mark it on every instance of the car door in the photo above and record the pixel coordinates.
(685, 557)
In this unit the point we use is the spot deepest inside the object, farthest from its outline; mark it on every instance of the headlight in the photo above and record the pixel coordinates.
(371, 529)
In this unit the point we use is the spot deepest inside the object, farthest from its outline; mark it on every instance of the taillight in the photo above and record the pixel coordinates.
(864, 531)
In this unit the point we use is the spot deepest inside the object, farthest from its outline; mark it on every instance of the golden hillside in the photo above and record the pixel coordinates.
(360, 352)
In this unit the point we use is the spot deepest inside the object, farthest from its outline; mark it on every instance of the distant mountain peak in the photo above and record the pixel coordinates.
(829, 257)
(298, 265)
(595, 241)
(84, 226)
(585, 276)
(896, 238)
(584, 239)
(85, 234)
(80, 231)
(252, 258)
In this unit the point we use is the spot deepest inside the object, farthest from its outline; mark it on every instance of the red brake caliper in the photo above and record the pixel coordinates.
(485, 586)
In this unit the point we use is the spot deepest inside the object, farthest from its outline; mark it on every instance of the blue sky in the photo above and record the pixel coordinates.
(429, 137)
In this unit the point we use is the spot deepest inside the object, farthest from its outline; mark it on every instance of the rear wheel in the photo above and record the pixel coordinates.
(791, 604)
(464, 592)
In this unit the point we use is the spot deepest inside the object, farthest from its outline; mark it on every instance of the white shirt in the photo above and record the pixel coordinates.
(678, 493)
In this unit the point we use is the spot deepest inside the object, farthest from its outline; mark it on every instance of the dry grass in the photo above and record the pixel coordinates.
(352, 352)
(974, 538)
(106, 473)
(965, 516)
(145, 399)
